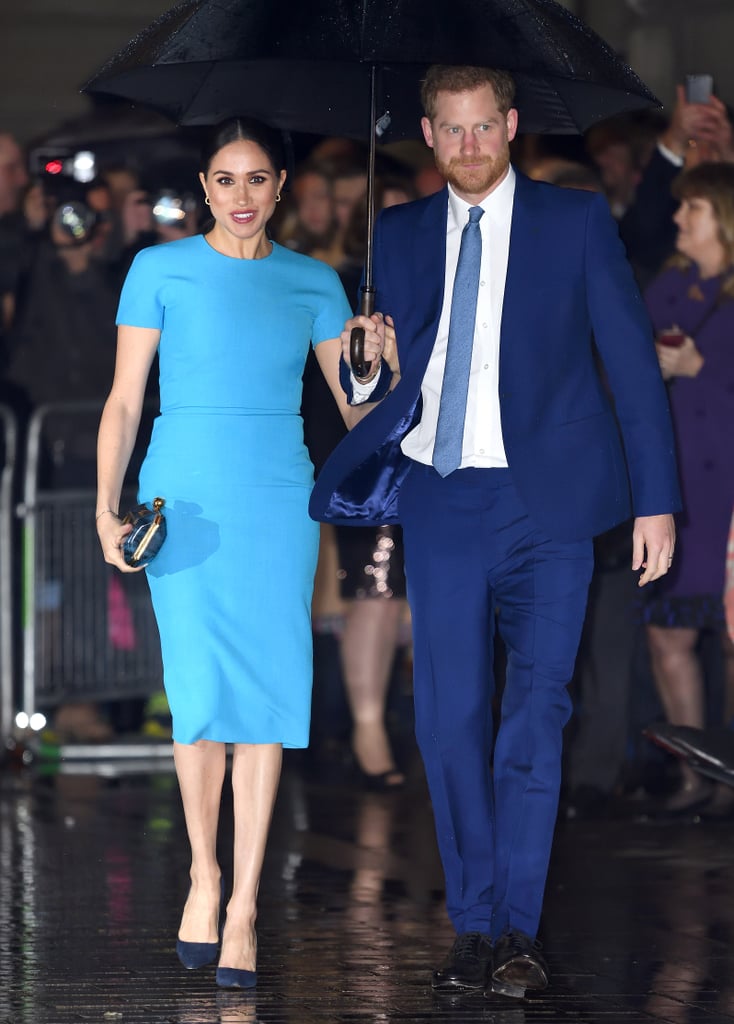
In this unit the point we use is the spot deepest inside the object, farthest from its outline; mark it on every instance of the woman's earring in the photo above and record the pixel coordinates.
(207, 200)
(277, 198)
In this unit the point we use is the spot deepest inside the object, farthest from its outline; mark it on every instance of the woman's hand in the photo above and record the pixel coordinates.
(390, 352)
(111, 532)
(682, 361)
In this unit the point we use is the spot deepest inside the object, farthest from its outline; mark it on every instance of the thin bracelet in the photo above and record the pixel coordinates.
(372, 376)
(100, 514)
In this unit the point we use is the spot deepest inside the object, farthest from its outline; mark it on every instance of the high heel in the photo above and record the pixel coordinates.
(382, 782)
(194, 955)
(376, 782)
(231, 977)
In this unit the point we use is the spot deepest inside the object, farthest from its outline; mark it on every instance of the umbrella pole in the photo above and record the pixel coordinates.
(360, 368)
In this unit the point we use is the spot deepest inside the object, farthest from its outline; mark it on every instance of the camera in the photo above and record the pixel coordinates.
(75, 221)
(79, 165)
(170, 207)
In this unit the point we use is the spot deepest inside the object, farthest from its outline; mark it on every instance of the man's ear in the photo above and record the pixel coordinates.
(511, 124)
(427, 131)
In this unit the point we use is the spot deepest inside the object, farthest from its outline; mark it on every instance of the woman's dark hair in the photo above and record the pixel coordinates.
(245, 129)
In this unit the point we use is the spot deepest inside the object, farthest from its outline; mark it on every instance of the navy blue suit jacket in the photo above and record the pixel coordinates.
(583, 456)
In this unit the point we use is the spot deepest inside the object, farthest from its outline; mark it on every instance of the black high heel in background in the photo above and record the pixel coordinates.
(382, 782)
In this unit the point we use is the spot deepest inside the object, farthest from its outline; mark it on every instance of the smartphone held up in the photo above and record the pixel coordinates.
(699, 88)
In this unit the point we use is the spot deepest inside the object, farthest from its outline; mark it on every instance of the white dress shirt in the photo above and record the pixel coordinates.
(482, 445)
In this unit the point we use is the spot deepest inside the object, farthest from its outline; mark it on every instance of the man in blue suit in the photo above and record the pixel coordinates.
(485, 429)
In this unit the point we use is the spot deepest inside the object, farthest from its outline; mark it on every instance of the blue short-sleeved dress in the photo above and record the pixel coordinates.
(232, 585)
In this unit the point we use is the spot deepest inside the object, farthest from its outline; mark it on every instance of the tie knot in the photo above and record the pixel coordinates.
(475, 214)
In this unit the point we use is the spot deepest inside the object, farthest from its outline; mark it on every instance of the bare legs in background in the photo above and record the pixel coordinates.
(369, 642)
(679, 679)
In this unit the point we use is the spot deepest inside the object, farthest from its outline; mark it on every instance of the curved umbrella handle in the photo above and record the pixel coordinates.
(360, 368)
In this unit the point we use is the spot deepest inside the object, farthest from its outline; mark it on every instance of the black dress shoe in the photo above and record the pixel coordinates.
(467, 965)
(518, 966)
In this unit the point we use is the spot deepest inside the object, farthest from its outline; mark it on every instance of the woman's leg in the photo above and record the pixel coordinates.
(679, 681)
(200, 769)
(368, 646)
(255, 777)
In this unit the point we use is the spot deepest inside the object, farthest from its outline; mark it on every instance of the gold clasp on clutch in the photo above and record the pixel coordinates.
(149, 533)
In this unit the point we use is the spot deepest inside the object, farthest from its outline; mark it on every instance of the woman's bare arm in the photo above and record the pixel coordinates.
(118, 428)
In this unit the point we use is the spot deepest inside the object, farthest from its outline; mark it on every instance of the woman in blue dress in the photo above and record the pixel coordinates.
(231, 315)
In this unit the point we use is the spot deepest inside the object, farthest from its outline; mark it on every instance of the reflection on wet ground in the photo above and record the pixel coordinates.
(93, 872)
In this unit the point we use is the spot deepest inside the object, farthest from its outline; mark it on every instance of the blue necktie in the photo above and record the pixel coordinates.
(455, 386)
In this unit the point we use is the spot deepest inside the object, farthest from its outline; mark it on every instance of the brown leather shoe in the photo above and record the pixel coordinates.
(467, 965)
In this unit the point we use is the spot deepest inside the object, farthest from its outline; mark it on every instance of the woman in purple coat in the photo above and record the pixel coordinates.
(692, 307)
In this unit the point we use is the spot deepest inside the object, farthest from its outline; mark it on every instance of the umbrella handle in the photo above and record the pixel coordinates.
(360, 368)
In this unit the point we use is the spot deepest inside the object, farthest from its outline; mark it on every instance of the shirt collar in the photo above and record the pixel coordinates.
(498, 203)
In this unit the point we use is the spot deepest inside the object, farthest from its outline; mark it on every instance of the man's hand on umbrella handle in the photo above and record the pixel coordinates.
(372, 344)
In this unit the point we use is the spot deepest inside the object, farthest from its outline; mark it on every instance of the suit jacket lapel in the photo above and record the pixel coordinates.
(523, 229)
(429, 242)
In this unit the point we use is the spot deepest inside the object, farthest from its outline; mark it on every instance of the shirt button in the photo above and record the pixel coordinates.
(481, 451)
(481, 284)
(486, 366)
(484, 326)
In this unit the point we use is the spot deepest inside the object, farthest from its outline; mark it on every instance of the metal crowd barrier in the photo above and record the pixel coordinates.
(8, 457)
(88, 631)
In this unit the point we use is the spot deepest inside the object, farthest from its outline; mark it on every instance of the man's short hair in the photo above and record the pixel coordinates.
(452, 78)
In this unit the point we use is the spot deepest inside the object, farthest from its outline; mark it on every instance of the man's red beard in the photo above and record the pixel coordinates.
(478, 179)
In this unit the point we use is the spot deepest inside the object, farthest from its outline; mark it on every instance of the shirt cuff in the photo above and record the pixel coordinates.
(669, 155)
(362, 392)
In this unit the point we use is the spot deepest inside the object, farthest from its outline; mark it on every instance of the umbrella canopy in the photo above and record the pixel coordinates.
(309, 69)
(352, 67)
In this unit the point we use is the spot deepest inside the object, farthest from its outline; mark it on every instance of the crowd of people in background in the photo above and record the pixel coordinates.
(65, 248)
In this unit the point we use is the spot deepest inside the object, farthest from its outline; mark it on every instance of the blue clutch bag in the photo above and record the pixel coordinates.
(145, 540)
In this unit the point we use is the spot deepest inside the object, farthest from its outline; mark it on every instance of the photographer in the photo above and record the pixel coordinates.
(62, 349)
(61, 345)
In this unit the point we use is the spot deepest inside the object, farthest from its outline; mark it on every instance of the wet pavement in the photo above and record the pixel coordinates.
(638, 924)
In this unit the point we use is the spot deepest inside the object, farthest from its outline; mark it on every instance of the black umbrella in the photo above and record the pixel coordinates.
(352, 67)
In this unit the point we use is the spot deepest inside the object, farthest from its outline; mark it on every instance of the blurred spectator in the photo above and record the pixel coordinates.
(63, 339)
(692, 307)
(349, 189)
(176, 214)
(13, 227)
(372, 579)
(367, 563)
(565, 174)
(639, 163)
(131, 215)
(389, 191)
(428, 180)
(698, 132)
(637, 175)
(62, 348)
(618, 150)
(309, 225)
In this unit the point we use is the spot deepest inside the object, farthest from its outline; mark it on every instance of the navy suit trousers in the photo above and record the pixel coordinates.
(474, 561)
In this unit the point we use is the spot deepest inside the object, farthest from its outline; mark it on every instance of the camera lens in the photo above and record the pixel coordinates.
(169, 208)
(75, 220)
